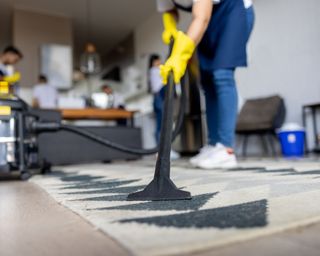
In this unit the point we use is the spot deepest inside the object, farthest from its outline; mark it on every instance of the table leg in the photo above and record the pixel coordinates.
(132, 122)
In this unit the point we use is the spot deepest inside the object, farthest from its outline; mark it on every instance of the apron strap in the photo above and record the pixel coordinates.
(183, 8)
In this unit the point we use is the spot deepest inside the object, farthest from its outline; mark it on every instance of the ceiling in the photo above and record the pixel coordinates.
(111, 20)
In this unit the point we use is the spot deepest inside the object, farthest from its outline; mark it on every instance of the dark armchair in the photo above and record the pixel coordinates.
(261, 117)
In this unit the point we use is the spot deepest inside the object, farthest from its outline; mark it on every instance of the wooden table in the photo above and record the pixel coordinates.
(98, 114)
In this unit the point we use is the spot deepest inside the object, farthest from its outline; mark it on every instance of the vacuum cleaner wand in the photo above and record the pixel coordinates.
(162, 187)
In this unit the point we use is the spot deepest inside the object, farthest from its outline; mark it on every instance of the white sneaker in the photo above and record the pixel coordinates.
(174, 155)
(202, 154)
(220, 158)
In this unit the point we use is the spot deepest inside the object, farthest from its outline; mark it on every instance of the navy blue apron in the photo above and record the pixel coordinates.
(224, 42)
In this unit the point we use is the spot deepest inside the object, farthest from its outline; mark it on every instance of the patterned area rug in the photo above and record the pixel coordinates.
(260, 198)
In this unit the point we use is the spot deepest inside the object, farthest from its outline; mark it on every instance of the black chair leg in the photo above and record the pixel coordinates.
(244, 145)
(265, 144)
(271, 139)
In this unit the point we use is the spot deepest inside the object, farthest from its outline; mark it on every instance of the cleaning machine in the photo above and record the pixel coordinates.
(18, 147)
(20, 128)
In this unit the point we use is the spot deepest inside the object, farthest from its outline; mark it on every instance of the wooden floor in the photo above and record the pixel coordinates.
(33, 224)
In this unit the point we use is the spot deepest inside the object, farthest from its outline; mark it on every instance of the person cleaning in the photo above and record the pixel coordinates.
(220, 29)
(157, 89)
(45, 95)
(8, 58)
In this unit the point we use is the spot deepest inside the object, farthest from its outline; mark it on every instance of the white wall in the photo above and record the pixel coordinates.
(31, 30)
(284, 52)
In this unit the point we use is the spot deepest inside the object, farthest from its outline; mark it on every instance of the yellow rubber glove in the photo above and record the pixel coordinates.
(170, 27)
(13, 78)
(182, 51)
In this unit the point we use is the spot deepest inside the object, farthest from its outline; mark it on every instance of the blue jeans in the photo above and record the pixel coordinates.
(158, 100)
(221, 105)
(222, 100)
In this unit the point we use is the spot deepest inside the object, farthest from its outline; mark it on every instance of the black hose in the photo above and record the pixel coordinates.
(105, 142)
(136, 151)
(182, 108)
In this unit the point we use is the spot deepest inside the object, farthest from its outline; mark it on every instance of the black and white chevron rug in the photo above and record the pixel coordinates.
(260, 198)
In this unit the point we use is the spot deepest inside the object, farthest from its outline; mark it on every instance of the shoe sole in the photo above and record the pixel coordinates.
(220, 166)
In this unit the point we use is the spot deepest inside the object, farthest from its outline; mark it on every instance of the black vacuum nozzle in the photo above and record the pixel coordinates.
(162, 187)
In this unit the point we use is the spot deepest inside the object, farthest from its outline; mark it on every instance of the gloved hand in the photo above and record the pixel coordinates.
(170, 27)
(13, 78)
(182, 51)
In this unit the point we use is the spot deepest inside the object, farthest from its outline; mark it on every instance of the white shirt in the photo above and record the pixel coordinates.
(155, 79)
(117, 99)
(167, 5)
(46, 95)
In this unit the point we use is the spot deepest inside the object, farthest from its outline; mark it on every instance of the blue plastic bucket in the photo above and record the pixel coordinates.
(292, 143)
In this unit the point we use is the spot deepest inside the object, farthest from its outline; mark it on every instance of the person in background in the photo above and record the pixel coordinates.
(9, 57)
(115, 100)
(220, 30)
(157, 89)
(44, 95)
